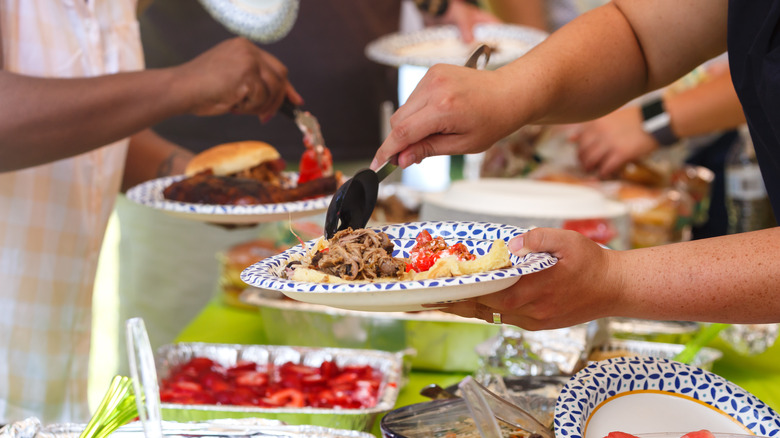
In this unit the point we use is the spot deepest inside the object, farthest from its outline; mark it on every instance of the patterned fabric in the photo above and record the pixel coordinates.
(53, 216)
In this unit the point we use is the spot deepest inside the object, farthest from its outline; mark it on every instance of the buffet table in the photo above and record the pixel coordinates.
(221, 323)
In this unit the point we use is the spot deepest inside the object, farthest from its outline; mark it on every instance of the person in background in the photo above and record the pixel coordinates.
(76, 101)
(705, 115)
(587, 69)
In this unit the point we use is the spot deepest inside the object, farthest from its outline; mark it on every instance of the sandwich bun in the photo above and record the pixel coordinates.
(229, 158)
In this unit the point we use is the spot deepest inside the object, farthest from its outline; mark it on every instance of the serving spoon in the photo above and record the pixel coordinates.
(354, 202)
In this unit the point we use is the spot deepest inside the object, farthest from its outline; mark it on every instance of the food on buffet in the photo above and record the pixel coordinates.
(598, 230)
(203, 381)
(246, 173)
(366, 255)
(697, 434)
(237, 258)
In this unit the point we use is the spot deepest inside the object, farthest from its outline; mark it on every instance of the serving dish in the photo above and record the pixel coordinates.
(443, 44)
(391, 365)
(704, 359)
(653, 395)
(402, 296)
(150, 194)
(442, 341)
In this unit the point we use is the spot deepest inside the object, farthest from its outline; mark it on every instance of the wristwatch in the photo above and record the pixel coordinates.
(656, 122)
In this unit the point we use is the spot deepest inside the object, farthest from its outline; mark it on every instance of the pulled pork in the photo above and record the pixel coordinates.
(361, 254)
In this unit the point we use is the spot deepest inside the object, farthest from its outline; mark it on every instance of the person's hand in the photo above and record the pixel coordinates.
(582, 286)
(452, 111)
(236, 76)
(464, 16)
(607, 144)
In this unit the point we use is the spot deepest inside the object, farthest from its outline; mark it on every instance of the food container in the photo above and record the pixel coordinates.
(390, 364)
(255, 427)
(527, 203)
(672, 332)
(704, 359)
(443, 342)
(237, 258)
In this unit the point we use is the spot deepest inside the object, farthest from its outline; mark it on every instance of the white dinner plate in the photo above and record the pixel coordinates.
(653, 395)
(403, 296)
(150, 194)
(443, 44)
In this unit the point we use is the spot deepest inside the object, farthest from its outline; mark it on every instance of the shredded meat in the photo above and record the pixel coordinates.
(361, 254)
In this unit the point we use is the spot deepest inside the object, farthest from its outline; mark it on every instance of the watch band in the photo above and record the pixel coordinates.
(656, 122)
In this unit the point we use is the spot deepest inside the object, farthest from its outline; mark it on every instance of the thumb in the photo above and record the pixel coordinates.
(547, 240)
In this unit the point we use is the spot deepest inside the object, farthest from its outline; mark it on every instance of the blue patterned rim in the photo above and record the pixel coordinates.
(602, 381)
(477, 236)
(150, 194)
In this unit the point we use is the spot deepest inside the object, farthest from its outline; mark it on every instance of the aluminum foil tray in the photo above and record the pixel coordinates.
(443, 342)
(390, 364)
(236, 428)
(621, 347)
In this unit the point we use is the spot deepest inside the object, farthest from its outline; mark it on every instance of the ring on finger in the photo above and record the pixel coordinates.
(497, 318)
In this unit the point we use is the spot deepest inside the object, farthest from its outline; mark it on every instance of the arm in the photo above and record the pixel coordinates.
(150, 156)
(730, 279)
(42, 119)
(589, 67)
(525, 12)
(608, 143)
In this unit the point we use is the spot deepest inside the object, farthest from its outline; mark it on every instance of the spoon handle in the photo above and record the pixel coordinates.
(387, 168)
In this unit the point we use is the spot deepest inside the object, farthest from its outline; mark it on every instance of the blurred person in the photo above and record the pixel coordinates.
(76, 101)
(587, 69)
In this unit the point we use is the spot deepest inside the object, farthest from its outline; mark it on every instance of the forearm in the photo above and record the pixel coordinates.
(151, 156)
(623, 59)
(726, 279)
(710, 107)
(524, 12)
(79, 114)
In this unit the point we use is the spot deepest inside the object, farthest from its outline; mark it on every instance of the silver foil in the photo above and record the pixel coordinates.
(226, 428)
(703, 359)
(673, 332)
(390, 364)
(443, 342)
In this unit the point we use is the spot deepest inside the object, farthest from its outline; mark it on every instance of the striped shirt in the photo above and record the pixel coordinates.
(53, 216)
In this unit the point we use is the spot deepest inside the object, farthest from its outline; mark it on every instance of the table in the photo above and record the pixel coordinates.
(221, 323)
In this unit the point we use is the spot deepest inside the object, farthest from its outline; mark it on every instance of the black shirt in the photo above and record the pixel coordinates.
(754, 60)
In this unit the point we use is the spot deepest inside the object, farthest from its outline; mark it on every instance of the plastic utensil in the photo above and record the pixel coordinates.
(699, 341)
(480, 409)
(354, 201)
(144, 375)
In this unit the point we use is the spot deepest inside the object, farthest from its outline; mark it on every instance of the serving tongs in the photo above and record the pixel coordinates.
(354, 202)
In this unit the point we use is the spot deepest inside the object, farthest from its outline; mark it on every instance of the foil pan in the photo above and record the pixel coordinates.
(390, 364)
(443, 342)
(704, 359)
(673, 332)
(226, 428)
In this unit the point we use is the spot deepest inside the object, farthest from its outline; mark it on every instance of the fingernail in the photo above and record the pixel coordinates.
(516, 244)
(374, 164)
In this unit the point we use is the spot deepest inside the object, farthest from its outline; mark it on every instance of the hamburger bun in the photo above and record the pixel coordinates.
(229, 158)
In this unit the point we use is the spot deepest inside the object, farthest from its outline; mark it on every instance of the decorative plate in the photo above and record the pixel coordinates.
(263, 21)
(401, 296)
(651, 395)
(150, 193)
(443, 44)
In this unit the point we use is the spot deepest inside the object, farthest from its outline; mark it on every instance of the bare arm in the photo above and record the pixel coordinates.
(42, 120)
(524, 12)
(710, 107)
(151, 156)
(589, 67)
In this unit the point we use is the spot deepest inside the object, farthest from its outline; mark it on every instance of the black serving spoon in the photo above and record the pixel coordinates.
(354, 202)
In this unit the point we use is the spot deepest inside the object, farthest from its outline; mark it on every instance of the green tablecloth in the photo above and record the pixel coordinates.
(220, 323)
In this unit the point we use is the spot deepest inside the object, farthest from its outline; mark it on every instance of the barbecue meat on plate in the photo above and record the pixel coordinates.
(245, 173)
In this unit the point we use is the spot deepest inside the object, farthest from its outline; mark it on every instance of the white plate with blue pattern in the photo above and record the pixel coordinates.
(404, 296)
(653, 395)
(444, 45)
(150, 194)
